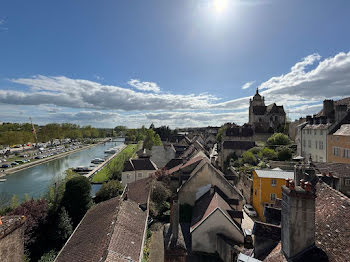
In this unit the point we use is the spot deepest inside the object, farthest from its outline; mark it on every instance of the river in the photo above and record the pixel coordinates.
(36, 180)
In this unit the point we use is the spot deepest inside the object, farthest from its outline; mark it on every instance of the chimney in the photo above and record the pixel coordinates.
(298, 219)
(175, 219)
(328, 107)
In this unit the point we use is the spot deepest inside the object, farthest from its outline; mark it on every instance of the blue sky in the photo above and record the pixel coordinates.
(179, 63)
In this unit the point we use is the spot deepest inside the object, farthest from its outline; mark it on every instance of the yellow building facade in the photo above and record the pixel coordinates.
(338, 150)
(267, 187)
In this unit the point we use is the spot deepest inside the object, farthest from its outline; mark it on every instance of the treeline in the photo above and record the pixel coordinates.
(13, 133)
(138, 134)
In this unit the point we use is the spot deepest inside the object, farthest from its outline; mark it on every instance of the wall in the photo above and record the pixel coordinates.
(245, 185)
(206, 174)
(133, 174)
(204, 236)
(343, 143)
(317, 154)
(262, 189)
(12, 246)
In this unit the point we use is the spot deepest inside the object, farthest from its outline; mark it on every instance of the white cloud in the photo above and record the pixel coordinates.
(248, 84)
(144, 86)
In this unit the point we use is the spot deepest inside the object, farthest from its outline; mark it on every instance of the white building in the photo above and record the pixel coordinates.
(136, 169)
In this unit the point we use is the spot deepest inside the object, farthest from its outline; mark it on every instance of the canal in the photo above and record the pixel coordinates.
(36, 180)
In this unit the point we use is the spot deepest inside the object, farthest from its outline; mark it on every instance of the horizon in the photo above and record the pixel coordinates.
(183, 64)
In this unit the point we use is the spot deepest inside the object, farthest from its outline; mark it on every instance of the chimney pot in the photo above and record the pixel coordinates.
(302, 183)
(287, 182)
(330, 174)
(291, 185)
(308, 187)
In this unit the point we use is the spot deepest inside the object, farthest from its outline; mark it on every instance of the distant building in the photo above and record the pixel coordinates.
(267, 188)
(136, 169)
(338, 150)
(265, 119)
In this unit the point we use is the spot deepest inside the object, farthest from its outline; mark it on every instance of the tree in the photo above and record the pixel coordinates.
(48, 257)
(268, 153)
(249, 158)
(284, 154)
(278, 139)
(64, 227)
(109, 190)
(76, 198)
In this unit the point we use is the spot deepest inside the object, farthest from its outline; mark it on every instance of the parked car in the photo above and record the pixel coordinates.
(14, 164)
(248, 238)
(5, 166)
(249, 210)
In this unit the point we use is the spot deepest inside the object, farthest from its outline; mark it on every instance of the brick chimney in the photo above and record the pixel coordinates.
(298, 219)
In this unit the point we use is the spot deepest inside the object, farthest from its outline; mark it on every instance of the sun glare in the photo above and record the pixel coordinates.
(220, 5)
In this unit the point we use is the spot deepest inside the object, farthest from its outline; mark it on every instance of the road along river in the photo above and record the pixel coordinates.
(36, 180)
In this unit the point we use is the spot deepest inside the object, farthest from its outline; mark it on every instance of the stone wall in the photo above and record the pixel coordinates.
(12, 239)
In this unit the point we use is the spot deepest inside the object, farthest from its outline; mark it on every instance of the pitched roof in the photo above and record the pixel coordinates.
(270, 173)
(193, 161)
(244, 145)
(127, 238)
(332, 223)
(337, 169)
(90, 239)
(266, 230)
(139, 190)
(206, 206)
(173, 163)
(344, 130)
(139, 164)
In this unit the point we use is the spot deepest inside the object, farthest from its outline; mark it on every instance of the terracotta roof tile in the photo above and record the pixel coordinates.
(139, 190)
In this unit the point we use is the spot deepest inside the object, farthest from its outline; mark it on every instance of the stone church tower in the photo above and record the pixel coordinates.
(265, 119)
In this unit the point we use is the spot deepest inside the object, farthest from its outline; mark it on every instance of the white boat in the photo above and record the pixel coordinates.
(2, 180)
(82, 169)
(111, 151)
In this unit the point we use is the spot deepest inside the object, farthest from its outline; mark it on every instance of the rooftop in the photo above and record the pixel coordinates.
(139, 164)
(344, 130)
(10, 224)
(264, 173)
(336, 169)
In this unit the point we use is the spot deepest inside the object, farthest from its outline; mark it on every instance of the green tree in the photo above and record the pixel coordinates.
(278, 139)
(76, 198)
(268, 153)
(48, 257)
(64, 227)
(109, 190)
(284, 154)
(249, 158)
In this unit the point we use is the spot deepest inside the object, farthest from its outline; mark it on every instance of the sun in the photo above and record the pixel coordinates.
(220, 5)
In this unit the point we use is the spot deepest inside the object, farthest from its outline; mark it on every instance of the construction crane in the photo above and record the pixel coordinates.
(34, 132)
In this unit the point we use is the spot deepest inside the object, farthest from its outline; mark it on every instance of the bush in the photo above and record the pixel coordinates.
(48, 257)
(249, 158)
(255, 150)
(285, 154)
(278, 139)
(268, 153)
(76, 198)
(109, 190)
(160, 193)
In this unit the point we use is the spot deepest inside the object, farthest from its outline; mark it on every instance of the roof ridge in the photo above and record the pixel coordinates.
(335, 191)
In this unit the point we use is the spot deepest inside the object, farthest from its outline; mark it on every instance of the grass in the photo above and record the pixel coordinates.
(118, 161)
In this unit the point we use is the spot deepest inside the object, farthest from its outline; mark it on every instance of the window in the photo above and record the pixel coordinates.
(273, 182)
(346, 153)
(320, 145)
(255, 191)
(347, 181)
(272, 197)
(139, 175)
(335, 151)
(321, 159)
(127, 176)
(304, 143)
(315, 132)
(309, 143)
(321, 132)
(316, 142)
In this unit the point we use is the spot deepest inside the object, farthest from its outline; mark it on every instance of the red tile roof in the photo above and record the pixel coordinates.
(188, 163)
(139, 190)
(332, 220)
(90, 240)
(127, 238)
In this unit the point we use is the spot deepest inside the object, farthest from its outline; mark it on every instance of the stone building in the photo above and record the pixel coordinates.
(339, 145)
(11, 238)
(265, 119)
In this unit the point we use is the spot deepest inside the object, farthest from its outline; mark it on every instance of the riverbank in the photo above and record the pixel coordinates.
(117, 161)
(48, 159)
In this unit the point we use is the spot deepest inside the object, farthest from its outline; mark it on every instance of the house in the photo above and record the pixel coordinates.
(12, 238)
(136, 169)
(267, 187)
(113, 230)
(204, 176)
(211, 216)
(265, 119)
(317, 229)
(336, 175)
(338, 150)
(314, 142)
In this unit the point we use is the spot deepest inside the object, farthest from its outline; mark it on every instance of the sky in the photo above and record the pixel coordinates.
(182, 63)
